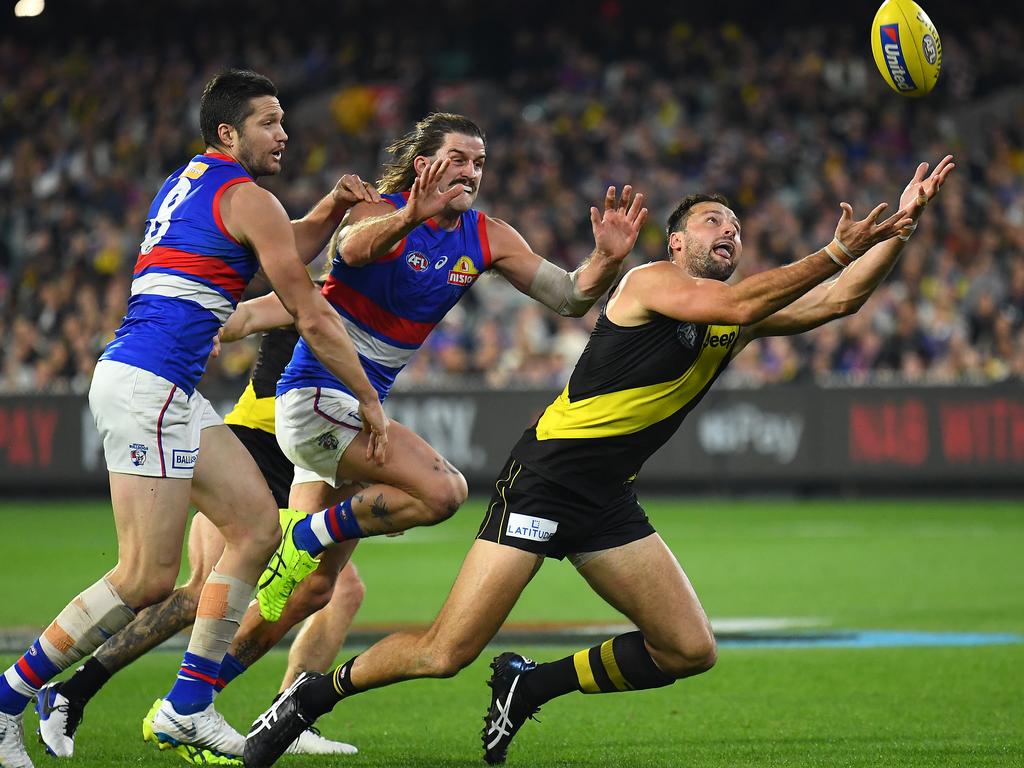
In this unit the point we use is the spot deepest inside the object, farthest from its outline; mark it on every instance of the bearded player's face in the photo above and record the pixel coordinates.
(262, 139)
(710, 241)
(466, 155)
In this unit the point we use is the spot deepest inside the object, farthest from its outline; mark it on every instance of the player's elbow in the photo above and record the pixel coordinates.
(846, 307)
(312, 323)
(353, 254)
(746, 313)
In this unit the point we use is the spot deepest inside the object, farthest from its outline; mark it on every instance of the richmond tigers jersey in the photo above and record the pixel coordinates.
(631, 389)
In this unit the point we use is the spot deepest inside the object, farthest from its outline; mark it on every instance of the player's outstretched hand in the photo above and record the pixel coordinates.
(616, 229)
(375, 423)
(859, 236)
(426, 198)
(351, 189)
(919, 192)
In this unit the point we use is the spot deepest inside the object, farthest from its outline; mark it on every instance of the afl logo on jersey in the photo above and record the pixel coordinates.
(417, 261)
(687, 334)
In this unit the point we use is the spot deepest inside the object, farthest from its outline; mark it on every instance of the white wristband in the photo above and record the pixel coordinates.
(836, 259)
(909, 230)
(844, 249)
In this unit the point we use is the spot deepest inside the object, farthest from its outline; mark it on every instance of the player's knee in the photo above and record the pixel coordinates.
(315, 593)
(691, 655)
(350, 587)
(444, 498)
(449, 660)
(263, 537)
(150, 589)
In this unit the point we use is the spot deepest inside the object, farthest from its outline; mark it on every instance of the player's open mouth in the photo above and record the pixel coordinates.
(724, 250)
(276, 154)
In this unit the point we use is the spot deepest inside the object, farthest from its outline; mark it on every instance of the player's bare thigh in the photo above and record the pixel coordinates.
(645, 582)
(413, 466)
(229, 488)
(149, 515)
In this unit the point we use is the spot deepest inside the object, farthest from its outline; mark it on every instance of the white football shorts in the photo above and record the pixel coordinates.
(149, 425)
(314, 427)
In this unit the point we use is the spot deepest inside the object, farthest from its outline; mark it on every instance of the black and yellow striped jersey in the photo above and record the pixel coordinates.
(255, 408)
(631, 389)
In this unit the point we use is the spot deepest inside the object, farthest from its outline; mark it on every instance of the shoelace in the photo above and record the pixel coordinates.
(75, 714)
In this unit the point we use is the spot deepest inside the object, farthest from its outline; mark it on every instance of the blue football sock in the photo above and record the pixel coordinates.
(193, 690)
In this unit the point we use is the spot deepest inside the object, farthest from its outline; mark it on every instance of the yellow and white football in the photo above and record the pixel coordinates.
(906, 47)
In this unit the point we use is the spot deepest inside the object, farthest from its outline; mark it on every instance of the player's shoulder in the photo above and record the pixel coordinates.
(652, 273)
(365, 210)
(500, 232)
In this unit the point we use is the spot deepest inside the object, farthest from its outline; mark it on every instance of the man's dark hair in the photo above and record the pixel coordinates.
(227, 98)
(677, 219)
(424, 139)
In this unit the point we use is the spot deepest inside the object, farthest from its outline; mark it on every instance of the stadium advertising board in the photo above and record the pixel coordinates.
(972, 438)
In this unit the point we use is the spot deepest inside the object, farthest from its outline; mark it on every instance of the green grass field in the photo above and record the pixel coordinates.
(899, 565)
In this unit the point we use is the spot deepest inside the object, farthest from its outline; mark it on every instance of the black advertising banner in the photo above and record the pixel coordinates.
(970, 438)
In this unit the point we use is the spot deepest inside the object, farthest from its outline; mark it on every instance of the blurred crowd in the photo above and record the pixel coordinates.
(787, 123)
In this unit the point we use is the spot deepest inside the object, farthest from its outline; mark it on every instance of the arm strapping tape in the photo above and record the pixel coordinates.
(555, 288)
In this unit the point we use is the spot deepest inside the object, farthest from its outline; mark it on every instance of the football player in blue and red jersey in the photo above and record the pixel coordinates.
(209, 229)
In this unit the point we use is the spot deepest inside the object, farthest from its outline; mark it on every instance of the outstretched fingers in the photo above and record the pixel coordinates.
(875, 213)
(636, 207)
(892, 225)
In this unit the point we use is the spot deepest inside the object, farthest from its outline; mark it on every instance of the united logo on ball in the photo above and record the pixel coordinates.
(906, 47)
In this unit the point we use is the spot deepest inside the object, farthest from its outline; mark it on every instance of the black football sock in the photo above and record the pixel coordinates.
(319, 697)
(620, 664)
(86, 682)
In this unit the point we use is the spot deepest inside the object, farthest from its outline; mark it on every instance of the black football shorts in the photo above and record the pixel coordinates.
(532, 513)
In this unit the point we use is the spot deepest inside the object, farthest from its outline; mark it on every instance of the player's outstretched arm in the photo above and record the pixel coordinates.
(255, 315)
(663, 288)
(572, 293)
(255, 217)
(314, 229)
(855, 284)
(375, 229)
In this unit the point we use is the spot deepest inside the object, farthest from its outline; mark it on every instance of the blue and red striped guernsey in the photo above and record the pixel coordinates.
(390, 306)
(189, 276)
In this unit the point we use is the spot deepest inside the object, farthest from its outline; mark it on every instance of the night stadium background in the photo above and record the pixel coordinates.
(849, 503)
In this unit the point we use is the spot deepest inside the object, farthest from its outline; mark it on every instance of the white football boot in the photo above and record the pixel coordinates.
(310, 742)
(58, 720)
(12, 742)
(207, 729)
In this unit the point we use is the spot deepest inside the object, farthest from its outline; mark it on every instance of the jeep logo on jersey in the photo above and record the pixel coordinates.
(417, 261)
(720, 339)
(687, 334)
(463, 273)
